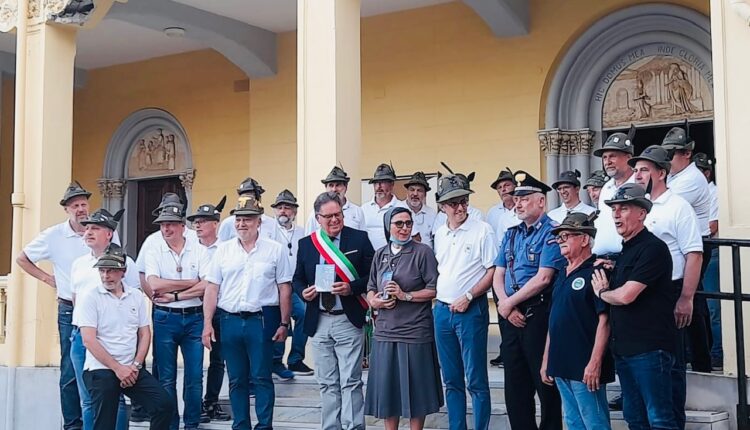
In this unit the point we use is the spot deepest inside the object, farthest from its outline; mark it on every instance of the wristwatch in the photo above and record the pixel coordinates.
(469, 296)
(286, 325)
(408, 297)
(138, 365)
(176, 295)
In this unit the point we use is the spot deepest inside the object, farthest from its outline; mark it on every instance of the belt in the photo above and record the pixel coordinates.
(336, 312)
(64, 302)
(245, 314)
(182, 311)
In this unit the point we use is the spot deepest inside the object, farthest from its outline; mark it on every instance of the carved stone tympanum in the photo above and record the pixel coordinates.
(566, 142)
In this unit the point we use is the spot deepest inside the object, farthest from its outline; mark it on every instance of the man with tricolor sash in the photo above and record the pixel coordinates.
(334, 318)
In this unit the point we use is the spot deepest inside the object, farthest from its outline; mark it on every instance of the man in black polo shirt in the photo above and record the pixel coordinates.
(576, 357)
(643, 329)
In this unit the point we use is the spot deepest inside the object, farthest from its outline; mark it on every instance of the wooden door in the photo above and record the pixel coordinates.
(149, 197)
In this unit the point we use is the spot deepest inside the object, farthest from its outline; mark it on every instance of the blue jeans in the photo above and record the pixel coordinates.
(78, 356)
(248, 351)
(711, 283)
(70, 401)
(299, 338)
(647, 390)
(583, 409)
(461, 340)
(172, 330)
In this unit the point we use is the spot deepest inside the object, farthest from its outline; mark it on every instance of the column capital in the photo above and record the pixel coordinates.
(566, 142)
(187, 178)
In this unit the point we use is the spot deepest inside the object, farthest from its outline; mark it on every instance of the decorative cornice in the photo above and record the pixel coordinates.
(566, 142)
(187, 178)
(112, 188)
(60, 11)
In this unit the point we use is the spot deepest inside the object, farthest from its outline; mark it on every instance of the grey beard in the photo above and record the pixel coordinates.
(284, 220)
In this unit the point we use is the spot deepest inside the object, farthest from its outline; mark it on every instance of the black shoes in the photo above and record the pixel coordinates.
(300, 368)
(616, 403)
(497, 361)
(214, 412)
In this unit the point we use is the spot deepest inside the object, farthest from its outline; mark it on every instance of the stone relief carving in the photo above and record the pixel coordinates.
(657, 89)
(61, 11)
(566, 142)
(187, 179)
(156, 152)
(112, 188)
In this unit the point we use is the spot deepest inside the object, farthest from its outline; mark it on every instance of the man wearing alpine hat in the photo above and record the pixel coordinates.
(416, 201)
(337, 181)
(464, 249)
(594, 185)
(248, 187)
(383, 199)
(568, 186)
(525, 271)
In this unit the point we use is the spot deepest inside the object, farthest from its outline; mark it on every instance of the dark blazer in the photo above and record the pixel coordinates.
(356, 246)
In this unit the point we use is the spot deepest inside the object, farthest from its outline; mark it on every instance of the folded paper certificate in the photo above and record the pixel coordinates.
(325, 276)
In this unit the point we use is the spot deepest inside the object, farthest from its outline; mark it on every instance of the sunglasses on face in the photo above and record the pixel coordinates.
(402, 224)
(455, 204)
(563, 237)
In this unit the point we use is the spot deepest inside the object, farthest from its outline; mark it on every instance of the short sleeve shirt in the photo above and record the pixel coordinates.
(463, 257)
(573, 321)
(289, 240)
(441, 218)
(501, 219)
(558, 214)
(154, 241)
(673, 220)
(85, 277)
(374, 220)
(116, 321)
(249, 280)
(691, 185)
(354, 218)
(528, 248)
(648, 323)
(424, 220)
(192, 263)
(608, 241)
(714, 216)
(414, 268)
(227, 230)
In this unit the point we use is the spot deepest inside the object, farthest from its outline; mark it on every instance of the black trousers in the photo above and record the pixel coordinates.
(523, 349)
(104, 388)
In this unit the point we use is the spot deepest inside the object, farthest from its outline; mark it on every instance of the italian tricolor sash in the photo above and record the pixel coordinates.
(332, 255)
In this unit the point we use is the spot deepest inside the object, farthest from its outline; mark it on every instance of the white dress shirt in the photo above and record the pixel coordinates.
(354, 218)
(85, 277)
(61, 245)
(424, 221)
(673, 220)
(692, 186)
(607, 240)
(714, 215)
(227, 230)
(463, 257)
(116, 321)
(559, 213)
(374, 220)
(249, 280)
(289, 240)
(155, 241)
(441, 218)
(163, 262)
(211, 249)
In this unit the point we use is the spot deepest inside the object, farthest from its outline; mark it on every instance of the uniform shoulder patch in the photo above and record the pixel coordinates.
(578, 283)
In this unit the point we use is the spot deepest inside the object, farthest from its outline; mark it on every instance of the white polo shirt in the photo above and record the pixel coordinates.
(354, 218)
(162, 261)
(85, 277)
(463, 257)
(441, 218)
(154, 241)
(692, 186)
(61, 245)
(607, 240)
(227, 230)
(559, 213)
(424, 221)
(289, 240)
(211, 249)
(374, 220)
(714, 191)
(673, 220)
(116, 321)
(249, 280)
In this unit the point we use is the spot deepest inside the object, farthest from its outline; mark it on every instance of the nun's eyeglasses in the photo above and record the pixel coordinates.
(402, 224)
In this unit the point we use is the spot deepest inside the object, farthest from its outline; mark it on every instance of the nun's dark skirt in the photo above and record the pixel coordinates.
(403, 380)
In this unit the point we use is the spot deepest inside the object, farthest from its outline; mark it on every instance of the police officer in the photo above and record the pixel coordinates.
(526, 267)
(615, 153)
(568, 186)
(673, 220)
(383, 199)
(594, 185)
(337, 181)
(422, 215)
(642, 322)
(248, 187)
(205, 221)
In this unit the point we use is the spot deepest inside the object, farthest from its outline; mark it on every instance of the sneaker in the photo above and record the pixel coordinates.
(300, 368)
(215, 413)
(717, 364)
(497, 361)
(281, 372)
(616, 403)
(205, 417)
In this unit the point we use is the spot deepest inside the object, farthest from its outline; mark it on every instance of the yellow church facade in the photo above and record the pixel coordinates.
(479, 85)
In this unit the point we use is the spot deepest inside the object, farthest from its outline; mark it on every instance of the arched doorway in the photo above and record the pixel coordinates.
(632, 66)
(148, 155)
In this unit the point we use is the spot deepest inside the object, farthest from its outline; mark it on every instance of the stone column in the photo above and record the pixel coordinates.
(566, 150)
(730, 37)
(328, 95)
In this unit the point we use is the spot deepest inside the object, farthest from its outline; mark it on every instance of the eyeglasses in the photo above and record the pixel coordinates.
(455, 204)
(337, 215)
(563, 237)
(402, 224)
